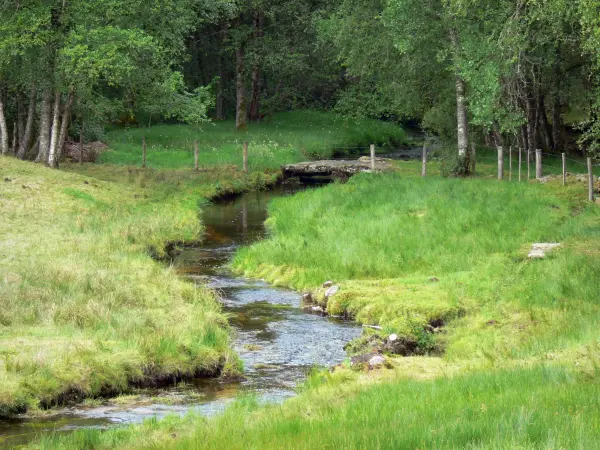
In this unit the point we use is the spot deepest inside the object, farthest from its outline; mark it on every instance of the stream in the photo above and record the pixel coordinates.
(276, 339)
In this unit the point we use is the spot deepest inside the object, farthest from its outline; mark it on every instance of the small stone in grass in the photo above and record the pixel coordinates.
(331, 291)
(538, 251)
(376, 361)
(328, 284)
(307, 298)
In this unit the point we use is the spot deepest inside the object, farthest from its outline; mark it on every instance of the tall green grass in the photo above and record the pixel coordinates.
(408, 251)
(285, 138)
(387, 226)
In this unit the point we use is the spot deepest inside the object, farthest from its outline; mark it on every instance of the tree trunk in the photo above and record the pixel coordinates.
(24, 144)
(64, 128)
(219, 102)
(256, 78)
(4, 145)
(557, 126)
(45, 118)
(531, 124)
(524, 138)
(220, 99)
(497, 135)
(543, 124)
(55, 130)
(462, 127)
(21, 117)
(15, 135)
(241, 114)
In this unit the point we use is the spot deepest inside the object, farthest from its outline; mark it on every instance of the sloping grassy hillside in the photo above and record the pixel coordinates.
(285, 138)
(84, 310)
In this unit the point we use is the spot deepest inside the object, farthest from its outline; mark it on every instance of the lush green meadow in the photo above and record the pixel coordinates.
(84, 309)
(520, 336)
(284, 138)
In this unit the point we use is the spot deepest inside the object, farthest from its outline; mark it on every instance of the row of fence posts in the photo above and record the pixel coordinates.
(538, 163)
(538, 168)
(196, 155)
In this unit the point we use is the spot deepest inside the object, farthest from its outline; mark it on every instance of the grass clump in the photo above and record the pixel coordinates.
(84, 310)
(283, 139)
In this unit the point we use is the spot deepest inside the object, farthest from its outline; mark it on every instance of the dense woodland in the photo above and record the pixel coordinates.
(522, 73)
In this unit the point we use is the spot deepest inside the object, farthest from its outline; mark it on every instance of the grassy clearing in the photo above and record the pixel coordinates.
(285, 138)
(84, 310)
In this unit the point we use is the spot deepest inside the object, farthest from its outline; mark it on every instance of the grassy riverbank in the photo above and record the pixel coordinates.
(84, 309)
(408, 252)
(520, 337)
(282, 139)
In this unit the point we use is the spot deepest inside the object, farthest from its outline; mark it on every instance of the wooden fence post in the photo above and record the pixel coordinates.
(144, 152)
(528, 164)
(591, 180)
(473, 158)
(373, 157)
(510, 163)
(500, 163)
(538, 164)
(246, 157)
(196, 154)
(424, 166)
(520, 161)
(564, 168)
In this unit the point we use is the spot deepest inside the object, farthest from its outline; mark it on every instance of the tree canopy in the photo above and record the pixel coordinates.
(466, 70)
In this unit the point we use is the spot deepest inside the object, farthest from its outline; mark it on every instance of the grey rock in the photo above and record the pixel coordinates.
(538, 251)
(328, 284)
(331, 291)
(376, 361)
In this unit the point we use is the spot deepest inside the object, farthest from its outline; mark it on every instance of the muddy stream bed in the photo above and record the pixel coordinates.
(278, 342)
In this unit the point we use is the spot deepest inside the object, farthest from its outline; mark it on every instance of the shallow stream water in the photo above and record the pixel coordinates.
(277, 341)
